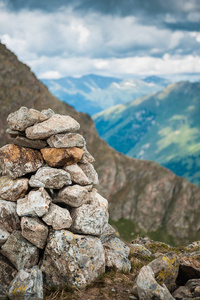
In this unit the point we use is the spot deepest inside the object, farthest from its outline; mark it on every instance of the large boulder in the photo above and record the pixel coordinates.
(17, 161)
(72, 259)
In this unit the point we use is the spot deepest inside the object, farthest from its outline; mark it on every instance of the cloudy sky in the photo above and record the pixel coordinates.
(121, 38)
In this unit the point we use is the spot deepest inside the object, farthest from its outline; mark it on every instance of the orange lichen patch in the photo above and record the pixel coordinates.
(61, 157)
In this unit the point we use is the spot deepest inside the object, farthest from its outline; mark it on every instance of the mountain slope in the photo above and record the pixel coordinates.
(142, 191)
(93, 93)
(163, 127)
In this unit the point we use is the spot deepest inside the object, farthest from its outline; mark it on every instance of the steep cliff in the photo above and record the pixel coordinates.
(148, 194)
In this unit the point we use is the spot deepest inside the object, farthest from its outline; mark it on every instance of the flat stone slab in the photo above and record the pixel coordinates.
(20, 252)
(18, 161)
(77, 175)
(148, 288)
(66, 140)
(51, 178)
(12, 190)
(9, 219)
(36, 204)
(89, 219)
(90, 172)
(34, 144)
(61, 157)
(116, 254)
(7, 273)
(14, 133)
(35, 231)
(24, 117)
(57, 217)
(75, 260)
(55, 124)
(74, 195)
(28, 284)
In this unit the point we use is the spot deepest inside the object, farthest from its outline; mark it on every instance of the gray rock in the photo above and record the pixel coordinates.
(14, 133)
(148, 288)
(90, 172)
(74, 195)
(116, 254)
(109, 232)
(20, 252)
(24, 142)
(55, 124)
(166, 269)
(36, 204)
(4, 235)
(87, 157)
(17, 161)
(66, 140)
(24, 117)
(13, 190)
(9, 219)
(75, 260)
(95, 198)
(48, 112)
(7, 273)
(28, 284)
(77, 175)
(139, 250)
(51, 178)
(182, 292)
(35, 231)
(57, 217)
(89, 219)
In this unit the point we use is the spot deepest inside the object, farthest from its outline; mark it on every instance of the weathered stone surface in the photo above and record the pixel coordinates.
(20, 252)
(166, 270)
(148, 288)
(95, 198)
(35, 231)
(28, 284)
(74, 195)
(61, 157)
(7, 273)
(139, 250)
(189, 291)
(89, 219)
(189, 269)
(24, 117)
(51, 178)
(48, 112)
(116, 254)
(36, 204)
(90, 172)
(9, 219)
(55, 124)
(18, 161)
(57, 217)
(77, 175)
(66, 140)
(13, 190)
(109, 232)
(14, 133)
(87, 157)
(24, 142)
(72, 259)
(182, 292)
(4, 235)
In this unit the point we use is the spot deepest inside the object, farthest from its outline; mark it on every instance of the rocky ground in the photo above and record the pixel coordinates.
(175, 269)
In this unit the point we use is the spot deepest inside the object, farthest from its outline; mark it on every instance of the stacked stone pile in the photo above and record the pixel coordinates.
(53, 222)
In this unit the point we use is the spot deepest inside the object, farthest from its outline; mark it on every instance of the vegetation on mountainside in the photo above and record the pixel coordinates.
(163, 127)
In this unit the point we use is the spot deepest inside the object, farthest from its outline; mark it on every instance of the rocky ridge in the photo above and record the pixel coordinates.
(142, 191)
(52, 219)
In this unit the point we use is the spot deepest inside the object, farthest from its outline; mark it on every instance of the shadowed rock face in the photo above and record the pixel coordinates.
(142, 191)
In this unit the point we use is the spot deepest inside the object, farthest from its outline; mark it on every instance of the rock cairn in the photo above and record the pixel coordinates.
(53, 223)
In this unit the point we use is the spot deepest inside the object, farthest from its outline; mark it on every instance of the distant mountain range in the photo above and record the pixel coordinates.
(92, 93)
(164, 127)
